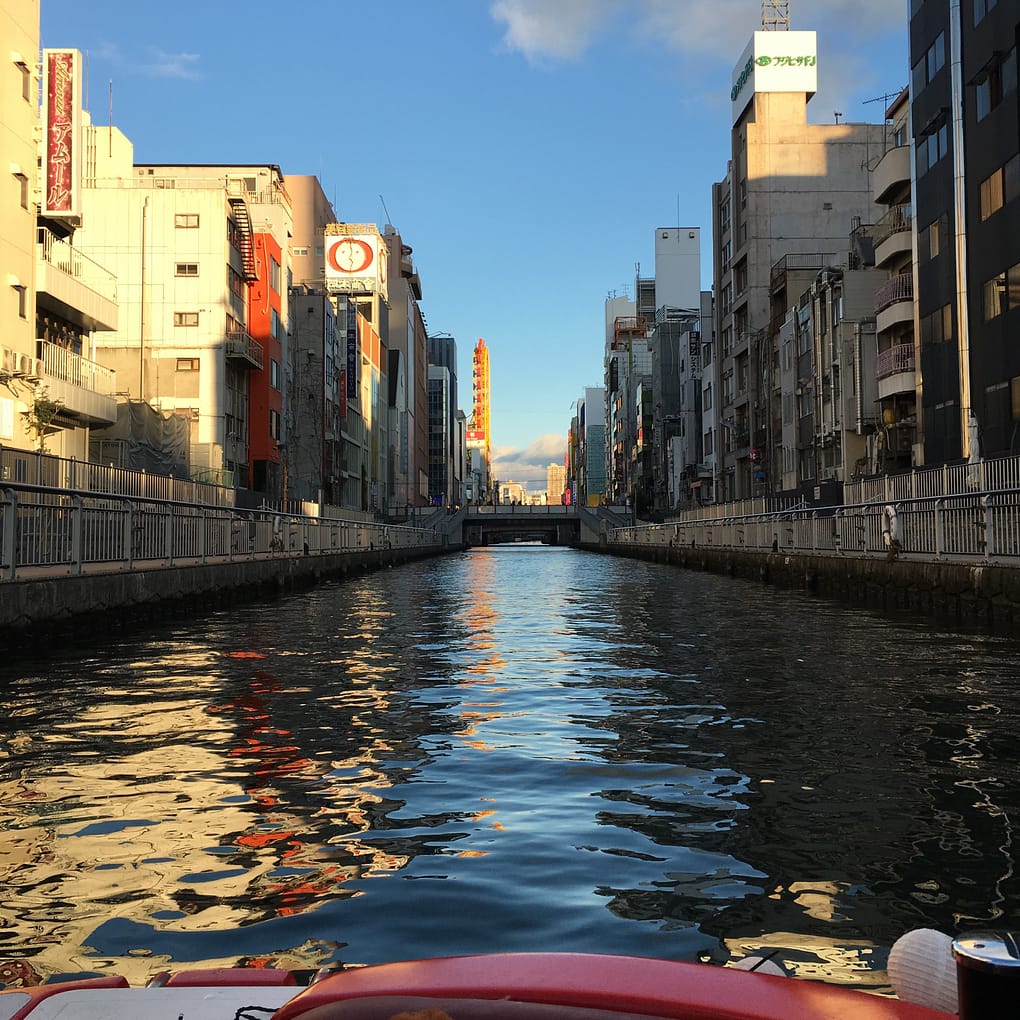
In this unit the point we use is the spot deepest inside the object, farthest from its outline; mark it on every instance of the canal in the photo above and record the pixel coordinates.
(516, 748)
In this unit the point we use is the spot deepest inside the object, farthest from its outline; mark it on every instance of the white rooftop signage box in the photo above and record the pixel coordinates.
(775, 62)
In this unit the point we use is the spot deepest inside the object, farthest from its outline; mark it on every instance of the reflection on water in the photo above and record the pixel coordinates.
(514, 749)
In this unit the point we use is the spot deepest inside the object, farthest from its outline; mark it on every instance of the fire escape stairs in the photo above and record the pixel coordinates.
(245, 241)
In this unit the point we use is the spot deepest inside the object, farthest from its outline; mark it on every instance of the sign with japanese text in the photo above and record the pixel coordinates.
(774, 62)
(62, 124)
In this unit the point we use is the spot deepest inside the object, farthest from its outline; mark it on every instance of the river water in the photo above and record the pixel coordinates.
(517, 748)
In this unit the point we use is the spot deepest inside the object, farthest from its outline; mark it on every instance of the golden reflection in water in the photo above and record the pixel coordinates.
(110, 835)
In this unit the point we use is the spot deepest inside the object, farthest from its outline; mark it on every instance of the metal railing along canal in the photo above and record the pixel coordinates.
(48, 531)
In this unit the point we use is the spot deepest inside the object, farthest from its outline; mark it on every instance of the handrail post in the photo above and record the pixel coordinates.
(10, 532)
(202, 525)
(77, 533)
(127, 538)
(986, 505)
(939, 530)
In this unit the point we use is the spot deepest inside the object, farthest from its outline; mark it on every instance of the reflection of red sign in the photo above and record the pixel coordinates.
(60, 138)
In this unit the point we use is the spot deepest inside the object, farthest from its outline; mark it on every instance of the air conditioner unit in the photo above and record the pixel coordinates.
(9, 361)
(25, 364)
(37, 368)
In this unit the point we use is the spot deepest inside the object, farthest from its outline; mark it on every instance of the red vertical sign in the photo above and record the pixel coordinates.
(61, 133)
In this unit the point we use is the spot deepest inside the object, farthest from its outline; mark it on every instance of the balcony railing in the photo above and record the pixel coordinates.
(63, 256)
(60, 363)
(895, 360)
(897, 288)
(898, 218)
(242, 346)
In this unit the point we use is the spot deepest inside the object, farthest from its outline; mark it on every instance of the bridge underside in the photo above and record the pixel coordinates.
(504, 532)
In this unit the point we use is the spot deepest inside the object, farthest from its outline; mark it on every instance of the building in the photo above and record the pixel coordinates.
(792, 189)
(410, 422)
(895, 443)
(56, 300)
(964, 128)
(555, 483)
(200, 253)
(480, 484)
(444, 487)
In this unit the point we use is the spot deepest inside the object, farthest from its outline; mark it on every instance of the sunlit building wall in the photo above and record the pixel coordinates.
(792, 189)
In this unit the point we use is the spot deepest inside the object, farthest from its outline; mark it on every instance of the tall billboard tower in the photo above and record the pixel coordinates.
(479, 430)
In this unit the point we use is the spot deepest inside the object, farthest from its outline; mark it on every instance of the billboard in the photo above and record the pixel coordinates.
(775, 62)
(356, 257)
(62, 141)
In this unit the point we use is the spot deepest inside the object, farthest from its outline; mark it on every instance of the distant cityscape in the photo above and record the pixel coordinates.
(221, 323)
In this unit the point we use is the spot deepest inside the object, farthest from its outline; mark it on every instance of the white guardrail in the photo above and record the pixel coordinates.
(47, 532)
(972, 527)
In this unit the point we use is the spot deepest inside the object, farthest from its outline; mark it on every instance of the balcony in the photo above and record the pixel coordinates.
(242, 347)
(892, 172)
(894, 371)
(75, 287)
(84, 389)
(894, 302)
(893, 234)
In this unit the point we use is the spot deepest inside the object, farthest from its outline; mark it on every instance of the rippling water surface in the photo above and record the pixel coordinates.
(514, 749)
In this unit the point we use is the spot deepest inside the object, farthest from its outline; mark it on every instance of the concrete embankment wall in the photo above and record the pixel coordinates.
(37, 611)
(953, 592)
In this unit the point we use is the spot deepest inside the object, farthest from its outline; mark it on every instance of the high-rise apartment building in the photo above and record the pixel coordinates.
(792, 190)
(966, 153)
(55, 299)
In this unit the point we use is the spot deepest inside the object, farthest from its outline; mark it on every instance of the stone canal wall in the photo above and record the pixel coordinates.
(37, 611)
(958, 592)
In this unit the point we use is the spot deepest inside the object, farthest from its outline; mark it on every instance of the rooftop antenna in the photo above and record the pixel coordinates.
(386, 211)
(775, 15)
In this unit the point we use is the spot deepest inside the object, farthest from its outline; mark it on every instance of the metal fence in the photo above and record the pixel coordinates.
(969, 527)
(47, 531)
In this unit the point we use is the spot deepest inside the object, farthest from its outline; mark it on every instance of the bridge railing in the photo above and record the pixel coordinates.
(982, 527)
(524, 509)
(49, 531)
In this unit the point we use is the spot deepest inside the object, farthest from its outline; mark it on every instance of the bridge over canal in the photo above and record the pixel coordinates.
(550, 525)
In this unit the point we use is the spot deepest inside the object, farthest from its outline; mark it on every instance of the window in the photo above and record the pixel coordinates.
(187, 221)
(274, 274)
(235, 282)
(274, 323)
(187, 269)
(274, 424)
(724, 216)
(187, 364)
(22, 293)
(299, 250)
(933, 238)
(995, 83)
(929, 65)
(743, 193)
(981, 8)
(938, 326)
(22, 180)
(931, 148)
(741, 277)
(274, 374)
(185, 318)
(1002, 292)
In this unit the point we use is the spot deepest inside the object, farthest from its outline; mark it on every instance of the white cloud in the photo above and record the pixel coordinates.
(561, 30)
(172, 65)
(713, 32)
(528, 466)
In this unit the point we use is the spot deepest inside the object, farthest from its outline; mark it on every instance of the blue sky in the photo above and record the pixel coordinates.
(526, 149)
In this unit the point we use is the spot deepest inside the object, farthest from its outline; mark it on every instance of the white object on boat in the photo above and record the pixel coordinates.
(922, 969)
